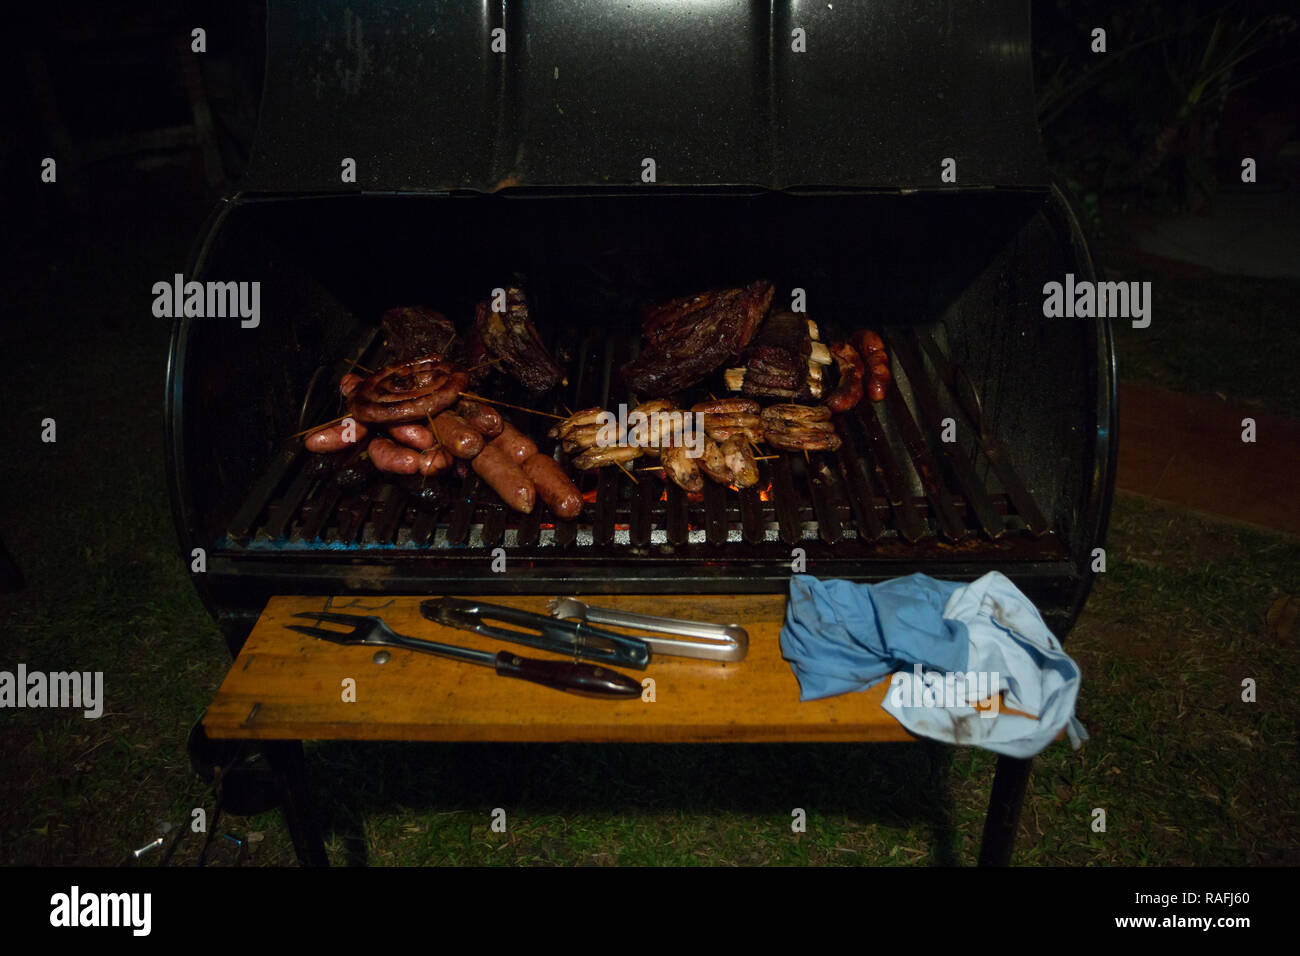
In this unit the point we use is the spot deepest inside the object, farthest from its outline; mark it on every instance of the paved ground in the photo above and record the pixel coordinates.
(1189, 451)
(1248, 232)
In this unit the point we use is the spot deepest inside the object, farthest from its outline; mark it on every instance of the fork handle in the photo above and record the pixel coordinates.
(586, 680)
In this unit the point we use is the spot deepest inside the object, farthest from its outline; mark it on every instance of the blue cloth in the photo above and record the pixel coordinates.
(840, 636)
(952, 646)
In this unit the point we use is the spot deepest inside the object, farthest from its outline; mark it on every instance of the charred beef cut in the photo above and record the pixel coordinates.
(688, 338)
(413, 332)
(511, 337)
(776, 362)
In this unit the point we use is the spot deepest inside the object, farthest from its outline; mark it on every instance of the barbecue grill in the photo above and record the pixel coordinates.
(818, 170)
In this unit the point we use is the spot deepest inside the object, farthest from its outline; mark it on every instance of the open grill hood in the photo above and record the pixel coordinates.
(712, 90)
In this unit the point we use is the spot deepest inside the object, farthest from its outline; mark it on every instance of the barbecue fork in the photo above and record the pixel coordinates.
(587, 680)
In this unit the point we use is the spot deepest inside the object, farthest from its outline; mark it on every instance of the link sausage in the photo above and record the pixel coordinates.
(456, 435)
(553, 486)
(516, 446)
(334, 437)
(505, 478)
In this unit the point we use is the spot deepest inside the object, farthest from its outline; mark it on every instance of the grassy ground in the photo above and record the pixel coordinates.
(1185, 771)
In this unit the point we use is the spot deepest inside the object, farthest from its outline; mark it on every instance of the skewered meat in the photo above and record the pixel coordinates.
(687, 338)
(407, 392)
(580, 438)
(413, 436)
(553, 486)
(588, 416)
(728, 425)
(599, 457)
(800, 428)
(483, 418)
(682, 469)
(512, 337)
(517, 446)
(505, 477)
(713, 463)
(727, 406)
(435, 461)
(457, 435)
(740, 462)
(335, 437)
(413, 331)
(390, 456)
(349, 382)
(796, 414)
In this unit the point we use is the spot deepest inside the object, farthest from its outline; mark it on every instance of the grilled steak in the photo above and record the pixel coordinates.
(688, 338)
(511, 337)
(413, 332)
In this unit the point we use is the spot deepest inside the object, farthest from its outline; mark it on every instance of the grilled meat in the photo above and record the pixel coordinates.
(687, 338)
(413, 332)
(512, 337)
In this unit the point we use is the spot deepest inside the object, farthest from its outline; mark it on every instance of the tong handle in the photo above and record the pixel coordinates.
(585, 680)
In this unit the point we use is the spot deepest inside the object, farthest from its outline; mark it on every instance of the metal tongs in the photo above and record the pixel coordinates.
(711, 642)
(579, 638)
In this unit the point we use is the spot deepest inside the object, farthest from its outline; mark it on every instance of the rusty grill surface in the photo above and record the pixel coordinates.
(895, 489)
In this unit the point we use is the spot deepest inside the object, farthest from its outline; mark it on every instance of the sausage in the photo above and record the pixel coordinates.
(390, 456)
(852, 369)
(867, 343)
(517, 446)
(722, 427)
(456, 435)
(482, 418)
(724, 433)
(408, 392)
(881, 371)
(435, 461)
(413, 436)
(505, 478)
(802, 438)
(349, 382)
(876, 390)
(553, 486)
(334, 437)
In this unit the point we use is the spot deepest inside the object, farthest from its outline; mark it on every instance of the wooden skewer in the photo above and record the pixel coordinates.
(519, 408)
(368, 371)
(496, 362)
(627, 472)
(332, 421)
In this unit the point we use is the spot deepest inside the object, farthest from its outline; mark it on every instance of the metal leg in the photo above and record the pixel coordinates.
(1009, 782)
(295, 800)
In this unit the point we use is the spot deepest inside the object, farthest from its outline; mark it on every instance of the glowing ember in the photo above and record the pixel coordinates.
(590, 496)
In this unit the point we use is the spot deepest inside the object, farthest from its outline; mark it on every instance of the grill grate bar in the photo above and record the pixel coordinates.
(607, 491)
(949, 522)
(644, 498)
(828, 519)
(1020, 497)
(462, 512)
(910, 525)
(783, 497)
(678, 520)
(862, 500)
(494, 524)
(977, 500)
(751, 515)
(715, 513)
(388, 513)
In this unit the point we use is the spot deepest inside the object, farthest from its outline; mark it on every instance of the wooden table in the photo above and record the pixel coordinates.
(285, 687)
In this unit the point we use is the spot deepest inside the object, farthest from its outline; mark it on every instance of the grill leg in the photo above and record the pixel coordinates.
(291, 778)
(1009, 782)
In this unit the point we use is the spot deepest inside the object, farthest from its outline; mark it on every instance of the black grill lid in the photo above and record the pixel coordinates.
(710, 89)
